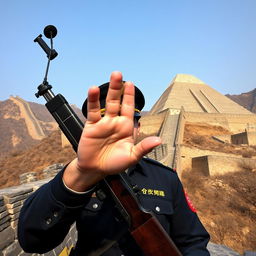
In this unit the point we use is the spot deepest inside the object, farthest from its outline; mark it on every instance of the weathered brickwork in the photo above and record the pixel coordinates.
(52, 170)
(28, 177)
(11, 201)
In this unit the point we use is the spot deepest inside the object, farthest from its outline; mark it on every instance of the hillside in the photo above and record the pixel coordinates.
(247, 100)
(36, 158)
(13, 130)
(226, 204)
(24, 124)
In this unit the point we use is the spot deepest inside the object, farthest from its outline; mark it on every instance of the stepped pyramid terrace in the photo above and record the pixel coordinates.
(188, 99)
(193, 95)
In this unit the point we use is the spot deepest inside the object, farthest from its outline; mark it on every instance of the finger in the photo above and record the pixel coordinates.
(114, 94)
(145, 146)
(93, 105)
(127, 108)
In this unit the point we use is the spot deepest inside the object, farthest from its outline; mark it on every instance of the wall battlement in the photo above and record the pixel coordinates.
(11, 201)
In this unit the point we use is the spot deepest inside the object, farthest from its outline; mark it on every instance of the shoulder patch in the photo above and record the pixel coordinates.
(154, 162)
(189, 202)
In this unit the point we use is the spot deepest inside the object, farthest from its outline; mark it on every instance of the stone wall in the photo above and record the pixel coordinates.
(219, 165)
(48, 172)
(239, 138)
(151, 124)
(246, 137)
(28, 177)
(52, 170)
(179, 140)
(188, 153)
(11, 201)
(158, 153)
(211, 162)
(251, 138)
(234, 123)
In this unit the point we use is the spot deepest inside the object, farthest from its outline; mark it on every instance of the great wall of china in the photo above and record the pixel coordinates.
(34, 128)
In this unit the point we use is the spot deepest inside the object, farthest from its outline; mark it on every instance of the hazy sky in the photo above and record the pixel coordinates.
(149, 41)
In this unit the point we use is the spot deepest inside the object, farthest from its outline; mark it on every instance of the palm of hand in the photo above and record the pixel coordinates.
(107, 143)
(107, 146)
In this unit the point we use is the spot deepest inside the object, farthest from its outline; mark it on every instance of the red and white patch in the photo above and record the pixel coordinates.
(189, 202)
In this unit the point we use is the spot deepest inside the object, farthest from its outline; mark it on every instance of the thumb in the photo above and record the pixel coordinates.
(145, 146)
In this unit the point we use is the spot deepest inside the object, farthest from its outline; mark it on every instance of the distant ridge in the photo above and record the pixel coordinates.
(24, 124)
(247, 100)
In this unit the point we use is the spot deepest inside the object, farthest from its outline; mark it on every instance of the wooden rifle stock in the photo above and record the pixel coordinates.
(143, 225)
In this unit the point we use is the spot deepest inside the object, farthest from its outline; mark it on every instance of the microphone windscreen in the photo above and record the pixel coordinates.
(50, 31)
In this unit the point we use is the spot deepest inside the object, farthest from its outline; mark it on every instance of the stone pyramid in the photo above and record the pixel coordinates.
(194, 95)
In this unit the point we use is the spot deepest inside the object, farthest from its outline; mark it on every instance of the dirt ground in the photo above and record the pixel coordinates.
(226, 204)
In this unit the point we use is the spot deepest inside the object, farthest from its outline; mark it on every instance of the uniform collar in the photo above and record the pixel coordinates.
(138, 168)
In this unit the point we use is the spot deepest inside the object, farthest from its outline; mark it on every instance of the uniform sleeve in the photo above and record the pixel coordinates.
(187, 231)
(47, 215)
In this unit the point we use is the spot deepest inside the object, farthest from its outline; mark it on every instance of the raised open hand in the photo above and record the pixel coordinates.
(107, 143)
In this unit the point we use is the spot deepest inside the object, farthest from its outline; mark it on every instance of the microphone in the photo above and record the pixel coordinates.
(50, 31)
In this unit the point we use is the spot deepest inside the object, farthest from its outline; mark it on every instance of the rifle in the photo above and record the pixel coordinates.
(142, 224)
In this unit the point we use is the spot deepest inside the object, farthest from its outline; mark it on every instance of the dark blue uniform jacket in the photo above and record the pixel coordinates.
(48, 213)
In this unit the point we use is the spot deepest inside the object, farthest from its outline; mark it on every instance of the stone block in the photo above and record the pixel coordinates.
(200, 164)
(16, 204)
(4, 220)
(3, 214)
(15, 191)
(14, 216)
(6, 237)
(4, 225)
(10, 200)
(52, 170)
(3, 208)
(14, 210)
(13, 249)
(14, 223)
(28, 177)
(27, 174)
(16, 232)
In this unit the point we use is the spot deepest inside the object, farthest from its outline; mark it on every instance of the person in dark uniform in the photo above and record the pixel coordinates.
(107, 146)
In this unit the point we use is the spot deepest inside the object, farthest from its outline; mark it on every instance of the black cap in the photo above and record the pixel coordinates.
(139, 100)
